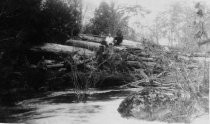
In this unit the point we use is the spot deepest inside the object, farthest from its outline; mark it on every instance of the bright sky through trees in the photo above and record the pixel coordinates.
(155, 6)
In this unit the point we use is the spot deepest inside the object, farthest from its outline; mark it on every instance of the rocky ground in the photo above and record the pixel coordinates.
(178, 96)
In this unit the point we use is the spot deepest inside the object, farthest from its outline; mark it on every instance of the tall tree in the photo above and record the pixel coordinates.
(109, 18)
(101, 19)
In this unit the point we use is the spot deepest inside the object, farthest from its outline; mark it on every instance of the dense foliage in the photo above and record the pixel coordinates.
(26, 22)
(109, 18)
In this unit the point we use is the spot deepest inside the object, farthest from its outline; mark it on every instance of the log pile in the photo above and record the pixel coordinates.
(98, 39)
(82, 46)
(93, 46)
(125, 59)
(136, 58)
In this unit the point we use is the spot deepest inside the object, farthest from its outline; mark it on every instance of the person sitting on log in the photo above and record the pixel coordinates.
(108, 40)
(104, 43)
(119, 38)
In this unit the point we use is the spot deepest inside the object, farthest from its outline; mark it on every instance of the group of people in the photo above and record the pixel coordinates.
(113, 41)
(106, 48)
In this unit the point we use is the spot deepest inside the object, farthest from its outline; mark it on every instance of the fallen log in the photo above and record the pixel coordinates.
(142, 54)
(135, 64)
(147, 59)
(62, 64)
(204, 42)
(89, 45)
(63, 49)
(132, 44)
(134, 57)
(55, 66)
(150, 64)
(94, 45)
(84, 44)
(98, 39)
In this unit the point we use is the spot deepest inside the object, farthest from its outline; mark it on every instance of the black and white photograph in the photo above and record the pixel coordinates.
(104, 61)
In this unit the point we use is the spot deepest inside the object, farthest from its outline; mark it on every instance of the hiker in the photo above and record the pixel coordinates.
(104, 43)
(107, 40)
(119, 38)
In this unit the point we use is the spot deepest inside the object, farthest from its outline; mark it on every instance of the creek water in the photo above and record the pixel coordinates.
(64, 107)
(98, 107)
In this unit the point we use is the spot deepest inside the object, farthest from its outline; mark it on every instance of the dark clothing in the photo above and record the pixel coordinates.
(118, 40)
(103, 42)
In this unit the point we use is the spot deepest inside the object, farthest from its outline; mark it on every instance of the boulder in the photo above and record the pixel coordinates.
(148, 104)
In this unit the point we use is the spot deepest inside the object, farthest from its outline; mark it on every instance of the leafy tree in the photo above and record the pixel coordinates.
(109, 18)
(64, 19)
(30, 22)
(17, 19)
(179, 25)
(25, 23)
(101, 19)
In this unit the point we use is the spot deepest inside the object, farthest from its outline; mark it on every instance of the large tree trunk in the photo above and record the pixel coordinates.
(54, 51)
(63, 49)
(84, 44)
(90, 38)
(93, 46)
(98, 39)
